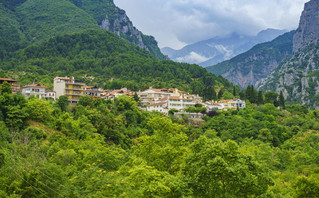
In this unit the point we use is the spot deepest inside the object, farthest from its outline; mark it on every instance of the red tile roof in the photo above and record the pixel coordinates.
(8, 80)
(155, 104)
(36, 85)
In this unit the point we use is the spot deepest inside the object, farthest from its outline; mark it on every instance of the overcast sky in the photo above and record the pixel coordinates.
(175, 23)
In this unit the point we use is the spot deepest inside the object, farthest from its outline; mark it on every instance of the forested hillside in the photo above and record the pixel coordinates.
(30, 21)
(113, 149)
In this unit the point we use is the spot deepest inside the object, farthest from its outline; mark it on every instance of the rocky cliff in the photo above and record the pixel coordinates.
(308, 31)
(298, 77)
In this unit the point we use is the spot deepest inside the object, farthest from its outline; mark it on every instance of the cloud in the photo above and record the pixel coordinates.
(175, 23)
(192, 57)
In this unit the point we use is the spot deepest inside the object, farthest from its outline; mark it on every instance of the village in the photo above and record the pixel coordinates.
(151, 99)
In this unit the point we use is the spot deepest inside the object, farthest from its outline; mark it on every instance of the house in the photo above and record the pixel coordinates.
(50, 95)
(14, 87)
(159, 107)
(36, 90)
(212, 106)
(111, 94)
(179, 103)
(67, 86)
(151, 95)
(93, 91)
(172, 102)
(233, 104)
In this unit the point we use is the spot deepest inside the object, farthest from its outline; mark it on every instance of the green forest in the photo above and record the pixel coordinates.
(104, 148)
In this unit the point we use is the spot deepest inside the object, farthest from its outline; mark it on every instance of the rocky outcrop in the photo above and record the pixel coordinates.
(308, 30)
(298, 77)
(122, 26)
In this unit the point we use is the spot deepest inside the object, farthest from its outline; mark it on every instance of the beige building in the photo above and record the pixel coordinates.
(67, 86)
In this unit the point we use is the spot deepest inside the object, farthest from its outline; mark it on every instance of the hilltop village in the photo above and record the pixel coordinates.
(151, 99)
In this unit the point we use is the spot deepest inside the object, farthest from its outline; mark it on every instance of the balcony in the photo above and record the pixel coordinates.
(75, 88)
(75, 83)
(74, 94)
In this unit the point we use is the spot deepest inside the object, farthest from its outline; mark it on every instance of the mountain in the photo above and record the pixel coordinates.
(42, 19)
(212, 51)
(250, 67)
(298, 77)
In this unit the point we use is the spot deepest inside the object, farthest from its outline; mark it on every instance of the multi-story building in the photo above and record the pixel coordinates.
(67, 86)
(151, 95)
(171, 102)
(179, 103)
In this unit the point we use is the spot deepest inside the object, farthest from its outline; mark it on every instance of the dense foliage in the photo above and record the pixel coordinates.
(112, 148)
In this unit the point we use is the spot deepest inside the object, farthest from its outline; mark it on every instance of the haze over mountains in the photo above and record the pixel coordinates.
(212, 51)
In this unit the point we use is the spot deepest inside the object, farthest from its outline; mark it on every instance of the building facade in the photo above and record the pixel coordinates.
(36, 90)
(67, 86)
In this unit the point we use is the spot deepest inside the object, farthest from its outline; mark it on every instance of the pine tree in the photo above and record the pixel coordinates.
(234, 91)
(260, 98)
(220, 94)
(282, 100)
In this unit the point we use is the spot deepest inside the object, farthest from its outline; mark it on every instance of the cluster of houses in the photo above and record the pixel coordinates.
(161, 100)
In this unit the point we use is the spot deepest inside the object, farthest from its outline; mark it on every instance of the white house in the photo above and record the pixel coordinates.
(37, 90)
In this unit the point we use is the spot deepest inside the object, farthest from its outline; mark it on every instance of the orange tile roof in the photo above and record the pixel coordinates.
(8, 79)
(224, 101)
(155, 104)
(36, 85)
(162, 99)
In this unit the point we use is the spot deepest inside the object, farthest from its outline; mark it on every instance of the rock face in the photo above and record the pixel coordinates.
(122, 26)
(308, 30)
(298, 77)
(257, 63)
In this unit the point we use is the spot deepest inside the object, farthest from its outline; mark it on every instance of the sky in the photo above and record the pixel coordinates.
(176, 23)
